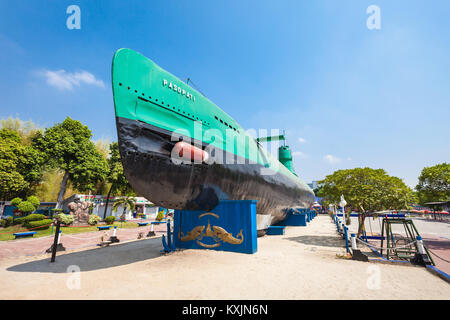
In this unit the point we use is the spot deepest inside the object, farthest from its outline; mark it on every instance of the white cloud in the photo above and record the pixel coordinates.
(301, 140)
(298, 154)
(64, 80)
(331, 159)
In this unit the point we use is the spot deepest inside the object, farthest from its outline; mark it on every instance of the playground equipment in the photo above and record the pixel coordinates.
(408, 247)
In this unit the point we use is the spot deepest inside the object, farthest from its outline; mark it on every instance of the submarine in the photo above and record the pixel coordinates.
(181, 151)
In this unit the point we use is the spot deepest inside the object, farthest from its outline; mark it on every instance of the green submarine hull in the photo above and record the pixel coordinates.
(181, 151)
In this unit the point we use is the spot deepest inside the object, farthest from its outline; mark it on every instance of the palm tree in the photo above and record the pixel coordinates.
(127, 202)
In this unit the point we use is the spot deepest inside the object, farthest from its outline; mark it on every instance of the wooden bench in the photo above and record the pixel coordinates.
(103, 228)
(142, 224)
(158, 222)
(24, 234)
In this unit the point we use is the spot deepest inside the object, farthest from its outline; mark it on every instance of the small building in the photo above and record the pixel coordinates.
(99, 203)
(6, 209)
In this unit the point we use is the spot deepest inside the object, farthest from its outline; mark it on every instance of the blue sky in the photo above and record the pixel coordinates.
(347, 96)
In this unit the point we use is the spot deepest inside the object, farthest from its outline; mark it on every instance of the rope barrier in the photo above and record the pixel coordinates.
(17, 231)
(70, 236)
(89, 226)
(438, 256)
(400, 247)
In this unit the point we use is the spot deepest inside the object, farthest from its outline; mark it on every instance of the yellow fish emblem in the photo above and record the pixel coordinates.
(219, 235)
(191, 235)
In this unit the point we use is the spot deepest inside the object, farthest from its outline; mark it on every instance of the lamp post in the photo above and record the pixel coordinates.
(342, 204)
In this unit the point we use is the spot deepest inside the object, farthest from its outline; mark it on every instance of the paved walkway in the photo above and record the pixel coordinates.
(74, 241)
(439, 246)
(435, 233)
(305, 263)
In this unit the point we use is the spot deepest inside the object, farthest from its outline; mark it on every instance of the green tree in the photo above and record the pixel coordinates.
(34, 201)
(26, 207)
(116, 176)
(68, 147)
(20, 166)
(15, 202)
(366, 190)
(25, 129)
(434, 183)
(128, 203)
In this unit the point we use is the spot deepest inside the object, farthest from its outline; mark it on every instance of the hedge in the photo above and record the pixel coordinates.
(93, 219)
(18, 221)
(6, 222)
(66, 219)
(34, 217)
(35, 224)
(110, 219)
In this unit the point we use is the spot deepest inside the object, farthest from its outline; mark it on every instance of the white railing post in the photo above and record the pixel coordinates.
(354, 246)
(420, 245)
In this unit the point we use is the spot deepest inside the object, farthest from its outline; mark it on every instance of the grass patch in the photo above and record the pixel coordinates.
(7, 233)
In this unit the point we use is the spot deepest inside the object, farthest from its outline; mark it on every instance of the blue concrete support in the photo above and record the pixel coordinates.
(275, 230)
(230, 226)
(295, 218)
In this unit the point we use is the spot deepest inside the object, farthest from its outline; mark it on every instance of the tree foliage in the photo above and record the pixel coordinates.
(366, 190)
(434, 183)
(26, 207)
(25, 129)
(34, 201)
(128, 203)
(68, 147)
(20, 165)
(116, 176)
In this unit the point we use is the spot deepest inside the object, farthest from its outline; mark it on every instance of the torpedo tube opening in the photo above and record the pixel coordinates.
(187, 152)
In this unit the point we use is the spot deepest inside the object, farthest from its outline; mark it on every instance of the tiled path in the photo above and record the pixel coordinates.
(441, 247)
(37, 246)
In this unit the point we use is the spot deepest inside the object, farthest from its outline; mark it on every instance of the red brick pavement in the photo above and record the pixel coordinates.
(36, 246)
(441, 247)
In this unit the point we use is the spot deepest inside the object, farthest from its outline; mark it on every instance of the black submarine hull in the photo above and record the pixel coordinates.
(146, 157)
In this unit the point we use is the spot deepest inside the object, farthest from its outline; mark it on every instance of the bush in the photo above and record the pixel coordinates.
(44, 224)
(33, 217)
(93, 219)
(160, 216)
(18, 221)
(56, 211)
(66, 219)
(110, 219)
(8, 221)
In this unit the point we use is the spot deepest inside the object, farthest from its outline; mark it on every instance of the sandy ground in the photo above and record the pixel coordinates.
(302, 264)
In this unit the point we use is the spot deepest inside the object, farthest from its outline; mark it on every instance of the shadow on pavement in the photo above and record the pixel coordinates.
(95, 259)
(324, 241)
(436, 244)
